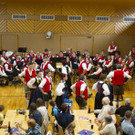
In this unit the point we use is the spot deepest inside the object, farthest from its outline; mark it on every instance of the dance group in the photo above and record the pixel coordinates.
(36, 72)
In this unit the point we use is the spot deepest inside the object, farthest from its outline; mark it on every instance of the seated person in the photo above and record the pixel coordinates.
(130, 62)
(96, 59)
(121, 110)
(97, 73)
(126, 125)
(104, 111)
(55, 109)
(8, 67)
(35, 114)
(132, 52)
(33, 128)
(107, 128)
(64, 118)
(70, 129)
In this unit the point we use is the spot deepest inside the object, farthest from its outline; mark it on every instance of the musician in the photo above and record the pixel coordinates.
(130, 62)
(102, 57)
(4, 57)
(132, 52)
(27, 74)
(46, 65)
(25, 59)
(126, 69)
(61, 55)
(38, 58)
(31, 55)
(97, 73)
(68, 62)
(89, 65)
(46, 53)
(8, 67)
(46, 86)
(96, 59)
(116, 57)
(112, 48)
(14, 57)
(82, 70)
(17, 61)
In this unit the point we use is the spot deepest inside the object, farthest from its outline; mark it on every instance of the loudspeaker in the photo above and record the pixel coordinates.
(22, 49)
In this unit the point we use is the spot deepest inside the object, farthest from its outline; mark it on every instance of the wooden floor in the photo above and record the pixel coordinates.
(14, 98)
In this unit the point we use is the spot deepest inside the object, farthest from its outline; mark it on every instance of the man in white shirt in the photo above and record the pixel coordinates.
(118, 80)
(8, 67)
(104, 111)
(45, 87)
(108, 128)
(102, 90)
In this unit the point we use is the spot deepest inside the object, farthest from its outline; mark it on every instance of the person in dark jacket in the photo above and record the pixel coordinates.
(64, 118)
(35, 114)
(122, 110)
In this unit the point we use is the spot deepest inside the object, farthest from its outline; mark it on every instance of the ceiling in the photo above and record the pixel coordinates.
(110, 2)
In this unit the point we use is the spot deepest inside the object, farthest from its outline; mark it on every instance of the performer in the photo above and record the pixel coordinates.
(38, 58)
(97, 73)
(46, 65)
(126, 69)
(8, 67)
(112, 48)
(61, 90)
(46, 86)
(61, 55)
(25, 59)
(68, 61)
(102, 90)
(46, 53)
(82, 70)
(27, 74)
(118, 80)
(4, 57)
(96, 59)
(130, 62)
(132, 52)
(89, 65)
(108, 64)
(81, 91)
(17, 61)
(33, 84)
(31, 55)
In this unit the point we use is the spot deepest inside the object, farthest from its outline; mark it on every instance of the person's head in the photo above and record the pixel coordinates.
(61, 53)
(81, 57)
(49, 53)
(105, 101)
(130, 58)
(74, 54)
(63, 77)
(3, 53)
(102, 53)
(133, 48)
(1, 62)
(97, 55)
(133, 111)
(33, 60)
(99, 65)
(9, 60)
(108, 119)
(67, 58)
(120, 59)
(30, 65)
(103, 77)
(31, 52)
(39, 74)
(46, 50)
(128, 115)
(126, 66)
(18, 57)
(123, 62)
(39, 102)
(31, 123)
(111, 111)
(116, 54)
(38, 53)
(71, 126)
(48, 73)
(52, 103)
(87, 60)
(112, 42)
(64, 108)
(85, 51)
(1, 108)
(109, 57)
(45, 59)
(26, 56)
(82, 78)
(118, 66)
(127, 101)
(33, 108)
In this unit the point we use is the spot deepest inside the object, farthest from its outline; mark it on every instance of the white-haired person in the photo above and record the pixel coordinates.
(122, 110)
(108, 127)
(104, 111)
(111, 112)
